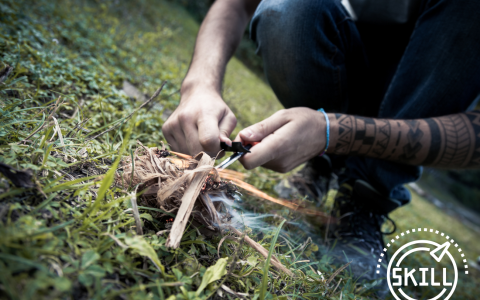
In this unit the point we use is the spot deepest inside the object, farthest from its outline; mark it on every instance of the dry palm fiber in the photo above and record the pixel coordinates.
(184, 186)
(181, 186)
(164, 183)
(237, 178)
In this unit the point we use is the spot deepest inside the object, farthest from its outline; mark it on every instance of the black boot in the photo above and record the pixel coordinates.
(357, 237)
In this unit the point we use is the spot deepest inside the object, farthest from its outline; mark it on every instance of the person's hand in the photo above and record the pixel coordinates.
(288, 138)
(199, 123)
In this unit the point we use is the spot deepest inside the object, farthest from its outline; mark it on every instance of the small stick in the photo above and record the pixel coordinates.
(221, 242)
(229, 290)
(79, 125)
(337, 272)
(337, 286)
(274, 261)
(128, 117)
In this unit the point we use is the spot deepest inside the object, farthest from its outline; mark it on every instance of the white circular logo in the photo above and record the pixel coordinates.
(439, 270)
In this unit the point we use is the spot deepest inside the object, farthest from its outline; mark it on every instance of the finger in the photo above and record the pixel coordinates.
(226, 126)
(208, 134)
(270, 149)
(191, 143)
(259, 131)
(180, 141)
(171, 141)
(168, 133)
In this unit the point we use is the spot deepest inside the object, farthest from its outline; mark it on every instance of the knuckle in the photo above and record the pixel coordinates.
(282, 112)
(166, 127)
(183, 117)
(263, 128)
(286, 114)
(234, 120)
(247, 166)
(207, 140)
(169, 126)
(224, 133)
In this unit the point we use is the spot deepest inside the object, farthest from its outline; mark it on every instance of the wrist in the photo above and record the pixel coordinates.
(193, 83)
(333, 133)
(191, 87)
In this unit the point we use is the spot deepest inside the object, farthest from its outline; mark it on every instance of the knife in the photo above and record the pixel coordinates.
(239, 149)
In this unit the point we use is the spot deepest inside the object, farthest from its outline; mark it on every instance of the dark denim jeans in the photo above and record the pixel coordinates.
(316, 56)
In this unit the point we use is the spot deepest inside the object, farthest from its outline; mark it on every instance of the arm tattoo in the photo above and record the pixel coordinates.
(456, 141)
(362, 136)
(449, 141)
(434, 143)
(414, 136)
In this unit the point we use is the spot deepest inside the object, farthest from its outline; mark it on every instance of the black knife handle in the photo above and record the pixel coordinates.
(236, 147)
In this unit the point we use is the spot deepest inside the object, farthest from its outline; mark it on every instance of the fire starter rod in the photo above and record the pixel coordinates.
(239, 149)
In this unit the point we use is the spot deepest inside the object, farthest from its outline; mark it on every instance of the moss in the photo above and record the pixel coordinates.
(73, 235)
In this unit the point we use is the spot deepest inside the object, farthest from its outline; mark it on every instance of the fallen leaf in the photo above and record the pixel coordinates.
(213, 273)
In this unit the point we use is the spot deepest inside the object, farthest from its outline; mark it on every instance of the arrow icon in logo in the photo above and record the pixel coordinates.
(445, 249)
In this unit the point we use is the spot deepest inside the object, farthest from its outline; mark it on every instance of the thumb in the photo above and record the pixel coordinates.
(259, 131)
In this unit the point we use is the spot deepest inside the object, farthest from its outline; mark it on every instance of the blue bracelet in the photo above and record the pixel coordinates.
(327, 130)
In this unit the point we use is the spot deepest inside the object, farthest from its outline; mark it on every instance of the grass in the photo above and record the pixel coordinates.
(423, 214)
(72, 236)
(264, 285)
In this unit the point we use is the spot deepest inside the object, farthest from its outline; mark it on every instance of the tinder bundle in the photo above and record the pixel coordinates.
(174, 185)
(184, 187)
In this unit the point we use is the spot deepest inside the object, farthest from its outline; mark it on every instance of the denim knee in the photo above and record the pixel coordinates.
(302, 49)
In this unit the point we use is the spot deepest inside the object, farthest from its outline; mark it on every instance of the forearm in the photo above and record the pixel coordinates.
(449, 141)
(219, 36)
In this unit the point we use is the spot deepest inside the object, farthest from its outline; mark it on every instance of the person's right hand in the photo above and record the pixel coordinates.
(200, 123)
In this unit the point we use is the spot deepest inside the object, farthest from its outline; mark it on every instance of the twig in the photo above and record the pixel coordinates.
(79, 125)
(221, 242)
(337, 272)
(274, 261)
(229, 290)
(128, 117)
(337, 286)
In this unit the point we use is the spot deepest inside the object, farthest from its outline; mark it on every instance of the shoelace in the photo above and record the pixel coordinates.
(393, 223)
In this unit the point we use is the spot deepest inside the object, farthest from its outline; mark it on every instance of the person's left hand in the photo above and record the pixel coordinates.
(288, 138)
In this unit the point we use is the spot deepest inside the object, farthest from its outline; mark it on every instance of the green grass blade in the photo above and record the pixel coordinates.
(65, 185)
(263, 287)
(110, 175)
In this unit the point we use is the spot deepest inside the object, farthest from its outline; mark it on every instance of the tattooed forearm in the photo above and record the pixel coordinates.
(449, 141)
(357, 135)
